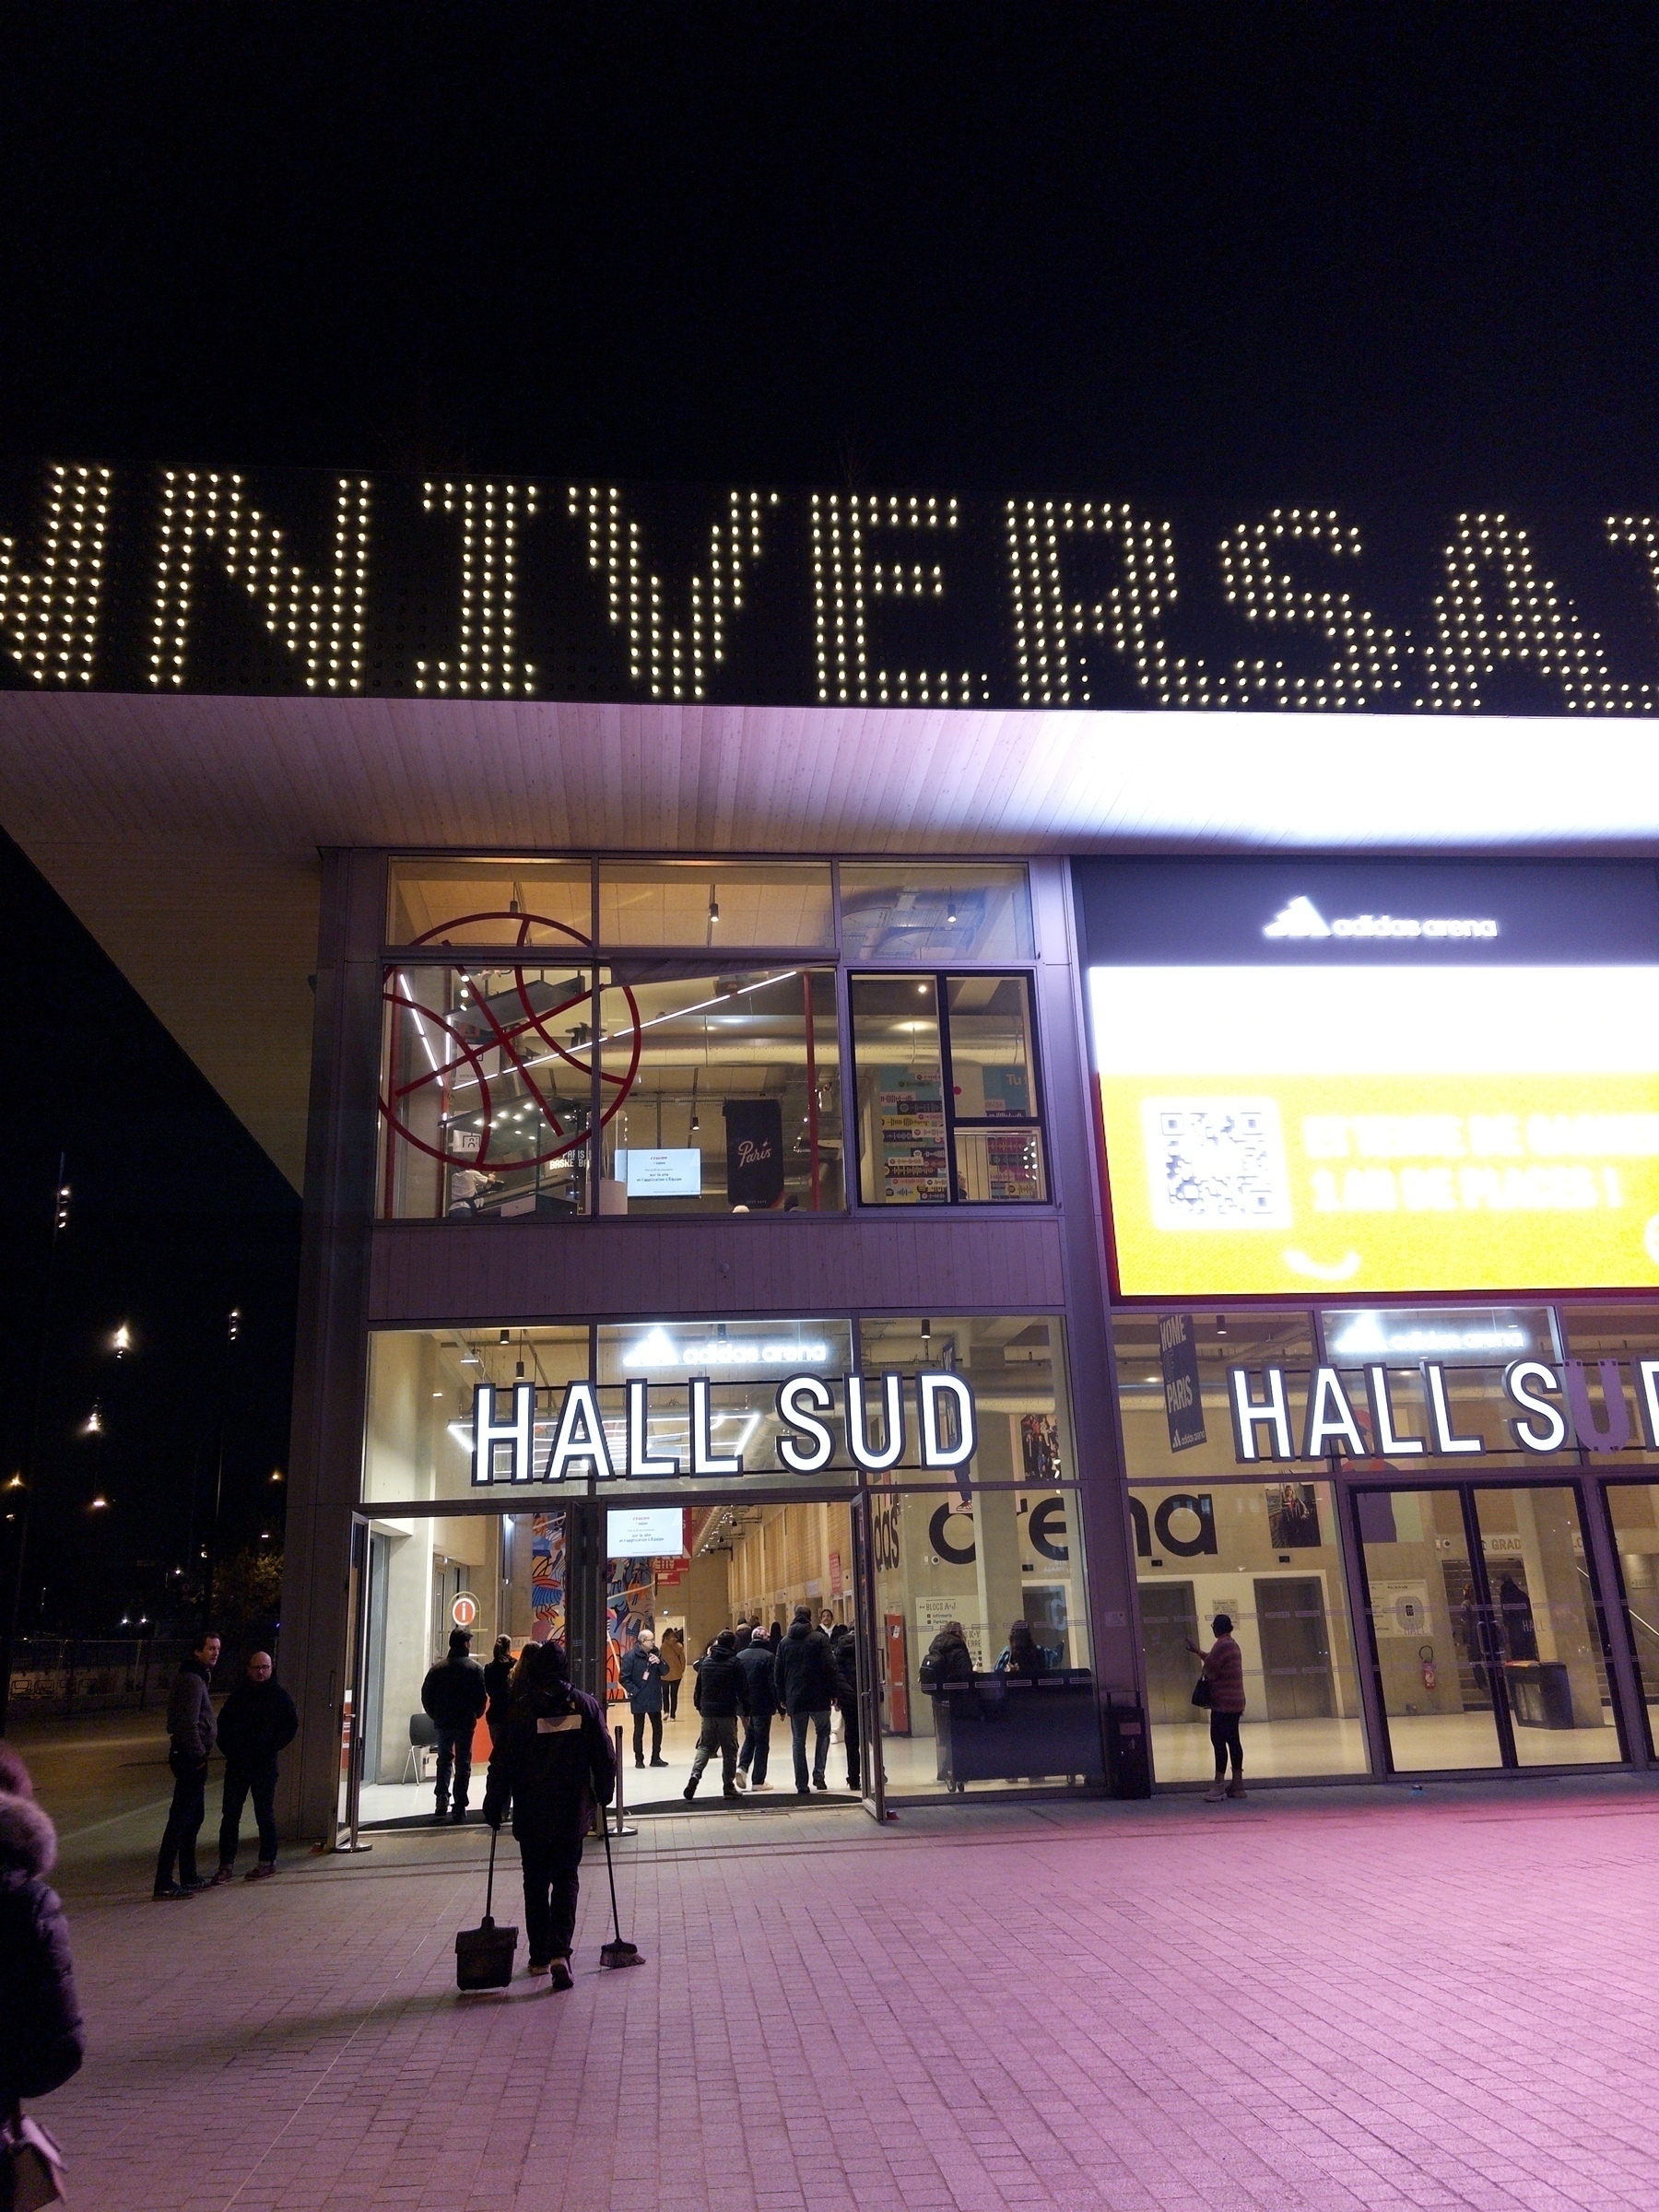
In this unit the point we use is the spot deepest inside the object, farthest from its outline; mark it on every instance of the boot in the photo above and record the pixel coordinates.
(1235, 1788)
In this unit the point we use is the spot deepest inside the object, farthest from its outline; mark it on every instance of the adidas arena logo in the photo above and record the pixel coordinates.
(1301, 918)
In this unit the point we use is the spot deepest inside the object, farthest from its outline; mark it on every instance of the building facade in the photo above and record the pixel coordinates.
(855, 1051)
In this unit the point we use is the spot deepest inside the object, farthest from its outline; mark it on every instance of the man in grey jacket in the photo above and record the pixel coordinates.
(191, 1736)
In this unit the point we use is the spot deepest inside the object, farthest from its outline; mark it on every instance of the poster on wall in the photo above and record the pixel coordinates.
(547, 1572)
(754, 1133)
(910, 1104)
(1424, 1078)
(1293, 1516)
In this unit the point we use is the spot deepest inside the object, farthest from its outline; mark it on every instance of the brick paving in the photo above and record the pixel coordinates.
(1316, 1999)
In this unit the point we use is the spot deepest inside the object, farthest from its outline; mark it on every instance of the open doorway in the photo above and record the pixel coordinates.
(745, 1567)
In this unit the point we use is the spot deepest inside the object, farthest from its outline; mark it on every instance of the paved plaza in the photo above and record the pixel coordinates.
(1332, 1998)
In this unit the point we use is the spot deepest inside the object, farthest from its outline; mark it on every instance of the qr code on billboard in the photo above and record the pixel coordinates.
(1216, 1163)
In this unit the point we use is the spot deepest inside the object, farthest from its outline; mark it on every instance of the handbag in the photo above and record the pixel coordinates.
(31, 2166)
(1202, 1692)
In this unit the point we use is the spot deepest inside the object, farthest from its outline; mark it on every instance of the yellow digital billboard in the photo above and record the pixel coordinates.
(1288, 1128)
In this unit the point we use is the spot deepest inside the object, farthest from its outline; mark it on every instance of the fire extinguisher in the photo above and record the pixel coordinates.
(1426, 1653)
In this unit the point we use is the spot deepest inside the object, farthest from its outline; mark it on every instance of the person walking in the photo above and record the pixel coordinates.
(720, 1694)
(42, 2040)
(191, 1736)
(497, 1686)
(755, 1661)
(673, 1669)
(453, 1696)
(804, 1685)
(553, 1761)
(258, 1722)
(843, 1650)
(1224, 1671)
(642, 1675)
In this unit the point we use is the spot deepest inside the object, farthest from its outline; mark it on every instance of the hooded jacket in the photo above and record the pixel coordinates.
(843, 1650)
(754, 1665)
(41, 2042)
(256, 1722)
(721, 1692)
(948, 1660)
(804, 1670)
(190, 1733)
(553, 1758)
(453, 1692)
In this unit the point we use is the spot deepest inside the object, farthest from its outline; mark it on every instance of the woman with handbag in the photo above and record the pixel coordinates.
(41, 2043)
(1223, 1680)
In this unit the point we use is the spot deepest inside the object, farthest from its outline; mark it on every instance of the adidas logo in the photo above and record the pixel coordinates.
(1301, 918)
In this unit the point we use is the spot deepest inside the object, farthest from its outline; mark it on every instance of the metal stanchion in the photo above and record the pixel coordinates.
(621, 1828)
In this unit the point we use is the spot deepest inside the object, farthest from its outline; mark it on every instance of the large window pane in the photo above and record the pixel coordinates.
(1633, 1509)
(716, 904)
(1550, 1655)
(1006, 1557)
(1249, 1336)
(1436, 1648)
(417, 1443)
(1268, 1555)
(543, 902)
(722, 1091)
(937, 913)
(486, 1091)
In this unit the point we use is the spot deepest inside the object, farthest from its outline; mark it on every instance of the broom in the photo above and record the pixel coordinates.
(618, 1952)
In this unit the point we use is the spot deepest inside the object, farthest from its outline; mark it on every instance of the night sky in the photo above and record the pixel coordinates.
(1336, 253)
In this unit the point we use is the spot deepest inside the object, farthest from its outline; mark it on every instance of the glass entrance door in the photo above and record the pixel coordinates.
(1487, 1632)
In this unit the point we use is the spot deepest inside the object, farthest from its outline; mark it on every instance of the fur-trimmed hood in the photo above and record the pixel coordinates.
(28, 1840)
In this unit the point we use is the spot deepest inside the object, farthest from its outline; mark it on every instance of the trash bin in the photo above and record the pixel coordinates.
(1128, 1758)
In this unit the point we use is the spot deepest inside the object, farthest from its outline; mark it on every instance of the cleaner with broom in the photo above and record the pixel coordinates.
(553, 1760)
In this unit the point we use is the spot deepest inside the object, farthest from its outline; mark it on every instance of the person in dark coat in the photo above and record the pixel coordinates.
(497, 1685)
(42, 2040)
(643, 1673)
(720, 1695)
(453, 1696)
(1024, 1655)
(948, 1658)
(843, 1650)
(755, 1661)
(257, 1722)
(191, 1736)
(553, 1759)
(804, 1684)
(774, 1635)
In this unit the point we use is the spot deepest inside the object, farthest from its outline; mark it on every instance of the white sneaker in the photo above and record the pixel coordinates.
(742, 1780)
(760, 1785)
(1216, 1796)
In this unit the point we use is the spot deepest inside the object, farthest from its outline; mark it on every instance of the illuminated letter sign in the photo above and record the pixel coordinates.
(793, 1397)
(858, 1440)
(489, 1433)
(580, 1435)
(640, 1461)
(704, 1460)
(1248, 1415)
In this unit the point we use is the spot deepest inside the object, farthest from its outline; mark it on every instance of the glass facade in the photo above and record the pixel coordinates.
(535, 1081)
(991, 1543)
(1422, 1475)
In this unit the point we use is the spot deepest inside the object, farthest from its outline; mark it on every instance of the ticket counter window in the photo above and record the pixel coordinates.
(1270, 1556)
(1489, 1638)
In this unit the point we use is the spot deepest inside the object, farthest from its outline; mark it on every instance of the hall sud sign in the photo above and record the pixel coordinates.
(942, 1403)
(1409, 1412)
